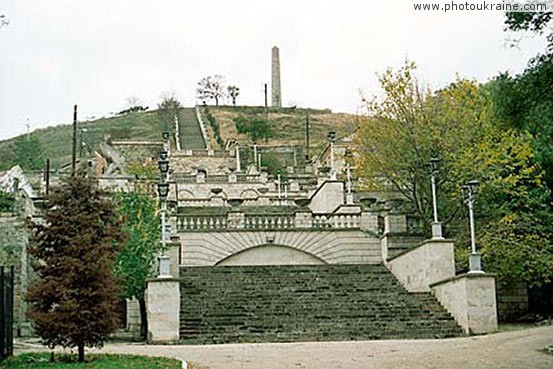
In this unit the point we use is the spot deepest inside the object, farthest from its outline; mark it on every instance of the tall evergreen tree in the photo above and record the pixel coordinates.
(74, 301)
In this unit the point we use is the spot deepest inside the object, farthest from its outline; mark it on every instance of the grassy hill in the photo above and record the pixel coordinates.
(288, 126)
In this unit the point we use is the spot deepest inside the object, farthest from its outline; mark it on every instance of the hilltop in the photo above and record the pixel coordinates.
(287, 124)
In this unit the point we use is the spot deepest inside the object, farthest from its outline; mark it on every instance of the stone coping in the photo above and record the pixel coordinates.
(419, 245)
(461, 276)
(159, 280)
(289, 229)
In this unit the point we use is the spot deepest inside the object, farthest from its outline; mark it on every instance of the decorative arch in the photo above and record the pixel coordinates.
(249, 194)
(270, 254)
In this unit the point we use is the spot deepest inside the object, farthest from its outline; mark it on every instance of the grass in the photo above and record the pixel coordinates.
(92, 361)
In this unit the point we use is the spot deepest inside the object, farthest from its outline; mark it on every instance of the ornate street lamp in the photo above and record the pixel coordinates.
(469, 195)
(349, 184)
(163, 192)
(165, 136)
(434, 166)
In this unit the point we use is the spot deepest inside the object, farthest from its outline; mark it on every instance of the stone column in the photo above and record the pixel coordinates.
(276, 95)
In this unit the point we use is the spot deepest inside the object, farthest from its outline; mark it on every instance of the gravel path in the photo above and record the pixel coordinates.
(507, 350)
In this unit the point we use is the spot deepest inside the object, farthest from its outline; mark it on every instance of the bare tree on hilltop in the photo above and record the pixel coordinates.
(211, 88)
(233, 92)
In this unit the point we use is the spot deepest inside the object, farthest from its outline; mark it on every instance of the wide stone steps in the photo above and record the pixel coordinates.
(304, 303)
(189, 130)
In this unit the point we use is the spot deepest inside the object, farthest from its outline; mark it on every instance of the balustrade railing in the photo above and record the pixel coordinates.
(203, 222)
(266, 222)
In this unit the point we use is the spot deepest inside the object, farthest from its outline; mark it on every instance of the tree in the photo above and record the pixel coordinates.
(255, 128)
(28, 152)
(458, 124)
(233, 92)
(136, 259)
(168, 109)
(211, 88)
(74, 300)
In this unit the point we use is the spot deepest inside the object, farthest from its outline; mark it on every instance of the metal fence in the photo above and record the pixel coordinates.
(6, 312)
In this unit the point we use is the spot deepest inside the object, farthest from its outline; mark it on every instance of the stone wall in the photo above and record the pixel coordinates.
(512, 301)
(329, 246)
(14, 242)
(430, 262)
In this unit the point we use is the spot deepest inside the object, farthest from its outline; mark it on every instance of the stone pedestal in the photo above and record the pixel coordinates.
(437, 231)
(470, 299)
(163, 309)
(475, 263)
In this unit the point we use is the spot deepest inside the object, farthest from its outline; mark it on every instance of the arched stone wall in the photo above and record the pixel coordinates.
(330, 247)
(271, 255)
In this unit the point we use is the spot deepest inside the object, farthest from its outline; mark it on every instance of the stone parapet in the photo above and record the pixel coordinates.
(429, 262)
(470, 298)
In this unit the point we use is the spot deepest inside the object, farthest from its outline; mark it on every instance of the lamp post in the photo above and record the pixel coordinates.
(163, 191)
(434, 165)
(469, 195)
(331, 136)
(349, 194)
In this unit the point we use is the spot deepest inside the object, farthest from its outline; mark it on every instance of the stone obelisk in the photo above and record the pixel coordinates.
(276, 94)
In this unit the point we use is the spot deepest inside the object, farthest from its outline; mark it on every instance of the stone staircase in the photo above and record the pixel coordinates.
(190, 134)
(305, 303)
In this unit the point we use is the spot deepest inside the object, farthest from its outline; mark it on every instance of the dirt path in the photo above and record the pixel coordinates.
(508, 350)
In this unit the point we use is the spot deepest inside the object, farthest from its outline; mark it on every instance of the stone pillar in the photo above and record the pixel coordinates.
(470, 299)
(238, 166)
(276, 95)
(369, 222)
(303, 219)
(163, 309)
(236, 220)
(395, 223)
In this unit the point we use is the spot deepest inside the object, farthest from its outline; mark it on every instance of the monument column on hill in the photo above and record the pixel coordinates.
(276, 95)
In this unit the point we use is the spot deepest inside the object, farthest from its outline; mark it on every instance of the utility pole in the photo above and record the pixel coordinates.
(266, 106)
(28, 130)
(307, 138)
(47, 176)
(74, 152)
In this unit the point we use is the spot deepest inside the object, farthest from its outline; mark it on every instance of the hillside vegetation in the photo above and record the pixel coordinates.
(287, 124)
(288, 127)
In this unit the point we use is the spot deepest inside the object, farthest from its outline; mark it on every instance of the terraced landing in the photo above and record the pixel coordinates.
(305, 303)
(189, 130)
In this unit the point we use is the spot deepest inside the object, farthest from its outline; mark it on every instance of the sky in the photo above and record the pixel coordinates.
(99, 54)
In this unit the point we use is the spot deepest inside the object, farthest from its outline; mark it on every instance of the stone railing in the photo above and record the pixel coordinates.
(336, 221)
(273, 221)
(284, 221)
(201, 222)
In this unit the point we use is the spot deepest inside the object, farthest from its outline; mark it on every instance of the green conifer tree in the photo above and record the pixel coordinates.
(74, 301)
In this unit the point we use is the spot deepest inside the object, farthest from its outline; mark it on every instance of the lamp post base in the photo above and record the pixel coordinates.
(475, 263)
(437, 231)
(164, 263)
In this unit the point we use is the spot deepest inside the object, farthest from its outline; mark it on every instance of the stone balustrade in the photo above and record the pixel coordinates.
(284, 221)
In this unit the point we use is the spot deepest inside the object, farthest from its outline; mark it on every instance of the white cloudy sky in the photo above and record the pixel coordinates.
(99, 53)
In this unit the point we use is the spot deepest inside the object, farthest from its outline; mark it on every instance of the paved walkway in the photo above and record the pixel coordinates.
(508, 350)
